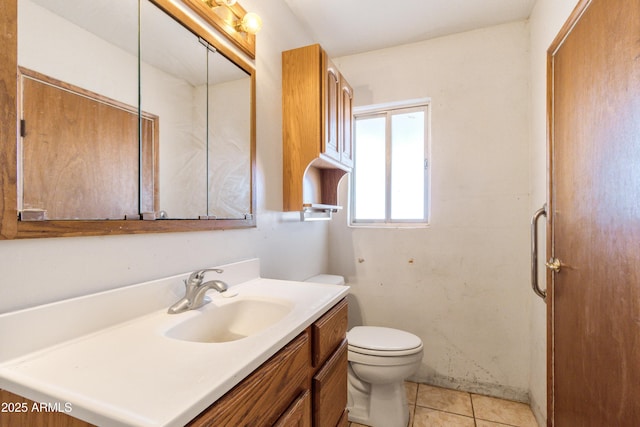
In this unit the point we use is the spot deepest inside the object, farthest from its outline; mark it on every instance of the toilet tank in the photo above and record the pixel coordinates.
(327, 279)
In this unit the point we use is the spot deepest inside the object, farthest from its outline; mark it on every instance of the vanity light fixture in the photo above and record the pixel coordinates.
(230, 19)
(249, 22)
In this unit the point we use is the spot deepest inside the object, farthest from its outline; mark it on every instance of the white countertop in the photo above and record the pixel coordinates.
(131, 374)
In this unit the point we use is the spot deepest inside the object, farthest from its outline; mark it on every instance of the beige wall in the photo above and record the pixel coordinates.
(462, 284)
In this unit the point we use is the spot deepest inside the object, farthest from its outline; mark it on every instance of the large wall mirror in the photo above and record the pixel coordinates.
(129, 119)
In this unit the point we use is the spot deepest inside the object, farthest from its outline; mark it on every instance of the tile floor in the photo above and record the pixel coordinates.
(439, 407)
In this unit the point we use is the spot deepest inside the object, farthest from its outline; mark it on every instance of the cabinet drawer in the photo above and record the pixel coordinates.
(262, 397)
(298, 414)
(330, 389)
(328, 332)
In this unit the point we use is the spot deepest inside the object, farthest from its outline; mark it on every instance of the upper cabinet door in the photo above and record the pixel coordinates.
(330, 142)
(346, 123)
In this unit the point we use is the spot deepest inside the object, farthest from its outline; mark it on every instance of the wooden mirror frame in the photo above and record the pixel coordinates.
(12, 228)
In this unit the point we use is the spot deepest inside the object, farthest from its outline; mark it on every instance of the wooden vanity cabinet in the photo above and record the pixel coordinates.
(317, 125)
(303, 385)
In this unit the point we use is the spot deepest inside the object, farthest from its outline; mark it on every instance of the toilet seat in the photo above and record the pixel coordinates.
(381, 341)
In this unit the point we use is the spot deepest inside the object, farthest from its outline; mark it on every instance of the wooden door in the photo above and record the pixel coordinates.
(594, 228)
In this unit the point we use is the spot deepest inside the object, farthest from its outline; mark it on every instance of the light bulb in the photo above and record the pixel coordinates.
(251, 23)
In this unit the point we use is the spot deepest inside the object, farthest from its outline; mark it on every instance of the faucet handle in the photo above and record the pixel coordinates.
(195, 291)
(197, 276)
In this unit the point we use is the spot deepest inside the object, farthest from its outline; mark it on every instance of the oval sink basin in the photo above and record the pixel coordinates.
(229, 322)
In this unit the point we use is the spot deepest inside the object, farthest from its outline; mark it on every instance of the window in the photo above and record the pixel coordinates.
(390, 180)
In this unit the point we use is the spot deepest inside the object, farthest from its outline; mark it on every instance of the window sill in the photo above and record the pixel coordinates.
(395, 225)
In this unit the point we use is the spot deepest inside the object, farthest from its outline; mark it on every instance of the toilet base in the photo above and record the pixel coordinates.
(377, 405)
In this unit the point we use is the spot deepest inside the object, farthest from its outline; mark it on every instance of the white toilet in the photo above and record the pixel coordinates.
(380, 359)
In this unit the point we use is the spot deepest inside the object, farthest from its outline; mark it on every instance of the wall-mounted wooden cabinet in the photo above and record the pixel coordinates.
(317, 108)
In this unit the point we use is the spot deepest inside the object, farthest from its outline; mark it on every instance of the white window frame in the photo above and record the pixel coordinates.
(387, 110)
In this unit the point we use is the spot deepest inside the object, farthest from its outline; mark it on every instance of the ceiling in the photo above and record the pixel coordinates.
(164, 43)
(346, 27)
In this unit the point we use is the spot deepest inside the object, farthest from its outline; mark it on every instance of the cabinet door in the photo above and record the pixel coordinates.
(298, 414)
(346, 123)
(261, 398)
(331, 109)
(330, 389)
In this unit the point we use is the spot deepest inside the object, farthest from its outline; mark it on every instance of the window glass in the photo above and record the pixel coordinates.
(407, 166)
(369, 168)
(390, 176)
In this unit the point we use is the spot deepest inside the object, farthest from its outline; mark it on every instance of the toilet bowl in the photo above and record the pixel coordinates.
(380, 359)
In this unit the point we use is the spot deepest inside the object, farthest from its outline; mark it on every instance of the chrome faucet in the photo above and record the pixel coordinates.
(195, 291)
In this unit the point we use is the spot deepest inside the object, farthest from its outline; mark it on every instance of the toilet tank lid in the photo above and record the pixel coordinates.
(327, 279)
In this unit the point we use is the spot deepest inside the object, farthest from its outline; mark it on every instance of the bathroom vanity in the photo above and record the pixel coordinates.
(279, 394)
(270, 352)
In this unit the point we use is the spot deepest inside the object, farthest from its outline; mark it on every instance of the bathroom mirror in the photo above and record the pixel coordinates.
(203, 100)
(115, 139)
(78, 154)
